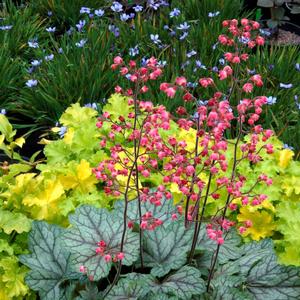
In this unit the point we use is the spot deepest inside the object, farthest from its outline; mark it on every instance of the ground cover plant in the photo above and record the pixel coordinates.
(57, 40)
(161, 178)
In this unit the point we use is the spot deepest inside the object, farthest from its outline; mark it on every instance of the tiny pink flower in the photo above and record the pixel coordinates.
(107, 257)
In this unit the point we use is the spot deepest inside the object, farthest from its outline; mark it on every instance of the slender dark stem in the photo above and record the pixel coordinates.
(132, 169)
(233, 173)
(136, 155)
(186, 222)
(198, 227)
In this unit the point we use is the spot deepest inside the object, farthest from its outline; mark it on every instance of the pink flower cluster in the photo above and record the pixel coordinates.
(171, 156)
(108, 256)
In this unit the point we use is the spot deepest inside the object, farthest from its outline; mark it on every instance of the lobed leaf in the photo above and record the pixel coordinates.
(49, 263)
(91, 225)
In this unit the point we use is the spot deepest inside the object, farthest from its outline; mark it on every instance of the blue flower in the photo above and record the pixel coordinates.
(134, 51)
(80, 25)
(91, 105)
(99, 12)
(214, 46)
(33, 44)
(60, 50)
(222, 61)
(6, 27)
(49, 13)
(124, 17)
(30, 70)
(286, 85)
(81, 43)
(252, 72)
(297, 67)
(62, 131)
(138, 8)
(31, 83)
(144, 61)
(164, 3)
(3, 111)
(49, 57)
(192, 84)
(271, 67)
(199, 64)
(175, 13)
(202, 102)
(185, 64)
(51, 29)
(85, 10)
(271, 100)
(153, 4)
(184, 35)
(183, 26)
(265, 32)
(243, 40)
(36, 63)
(296, 101)
(162, 63)
(213, 14)
(286, 146)
(116, 7)
(114, 29)
(191, 53)
(155, 38)
(215, 69)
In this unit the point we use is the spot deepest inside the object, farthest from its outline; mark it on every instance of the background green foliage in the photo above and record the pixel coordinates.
(83, 74)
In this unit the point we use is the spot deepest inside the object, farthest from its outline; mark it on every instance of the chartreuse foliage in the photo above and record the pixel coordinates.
(56, 255)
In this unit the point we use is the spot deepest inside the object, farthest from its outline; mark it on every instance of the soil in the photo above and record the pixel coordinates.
(285, 37)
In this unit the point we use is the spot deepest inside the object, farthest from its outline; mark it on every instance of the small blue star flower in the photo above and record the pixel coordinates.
(213, 14)
(99, 12)
(36, 63)
(51, 29)
(271, 100)
(175, 13)
(85, 10)
(114, 29)
(191, 53)
(286, 146)
(138, 8)
(155, 38)
(134, 51)
(3, 111)
(81, 43)
(33, 44)
(80, 25)
(199, 64)
(49, 57)
(62, 131)
(183, 26)
(6, 27)
(92, 105)
(31, 83)
(116, 7)
(124, 17)
(184, 35)
(286, 85)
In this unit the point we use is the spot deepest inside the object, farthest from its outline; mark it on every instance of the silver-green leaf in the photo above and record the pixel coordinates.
(166, 247)
(49, 263)
(91, 225)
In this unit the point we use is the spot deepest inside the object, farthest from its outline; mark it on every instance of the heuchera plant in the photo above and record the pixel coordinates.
(146, 232)
(150, 151)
